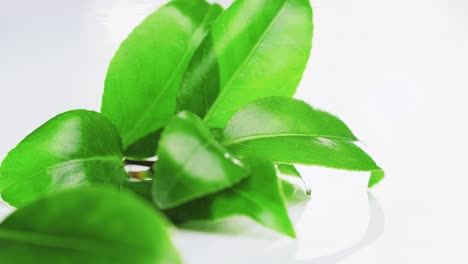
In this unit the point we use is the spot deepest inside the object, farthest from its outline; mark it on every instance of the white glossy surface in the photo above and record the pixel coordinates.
(394, 70)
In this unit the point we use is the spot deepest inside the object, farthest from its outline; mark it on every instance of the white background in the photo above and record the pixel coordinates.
(395, 70)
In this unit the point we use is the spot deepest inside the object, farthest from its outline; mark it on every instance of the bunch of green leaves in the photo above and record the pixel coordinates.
(205, 92)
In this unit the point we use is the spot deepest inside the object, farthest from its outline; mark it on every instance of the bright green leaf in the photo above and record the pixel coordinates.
(86, 225)
(145, 73)
(375, 177)
(286, 130)
(256, 48)
(294, 187)
(332, 153)
(74, 148)
(282, 117)
(191, 163)
(258, 197)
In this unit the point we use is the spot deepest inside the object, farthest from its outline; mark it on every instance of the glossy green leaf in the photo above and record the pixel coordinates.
(74, 148)
(258, 197)
(256, 48)
(294, 187)
(200, 84)
(282, 117)
(145, 73)
(86, 225)
(191, 163)
(286, 130)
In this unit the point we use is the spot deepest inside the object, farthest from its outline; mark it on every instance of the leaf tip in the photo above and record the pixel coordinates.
(291, 232)
(376, 177)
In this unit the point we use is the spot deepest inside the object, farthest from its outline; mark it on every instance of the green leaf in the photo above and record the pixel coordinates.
(282, 117)
(191, 163)
(286, 130)
(258, 197)
(145, 73)
(375, 177)
(256, 48)
(200, 84)
(145, 147)
(86, 225)
(141, 188)
(74, 148)
(294, 187)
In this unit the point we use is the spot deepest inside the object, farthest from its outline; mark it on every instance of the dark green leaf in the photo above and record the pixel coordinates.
(294, 187)
(256, 48)
(286, 130)
(200, 84)
(145, 147)
(258, 197)
(145, 73)
(140, 187)
(86, 225)
(74, 148)
(191, 163)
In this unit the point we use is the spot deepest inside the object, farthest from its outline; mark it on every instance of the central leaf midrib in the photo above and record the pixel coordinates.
(277, 135)
(247, 197)
(178, 69)
(88, 159)
(246, 61)
(181, 169)
(115, 159)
